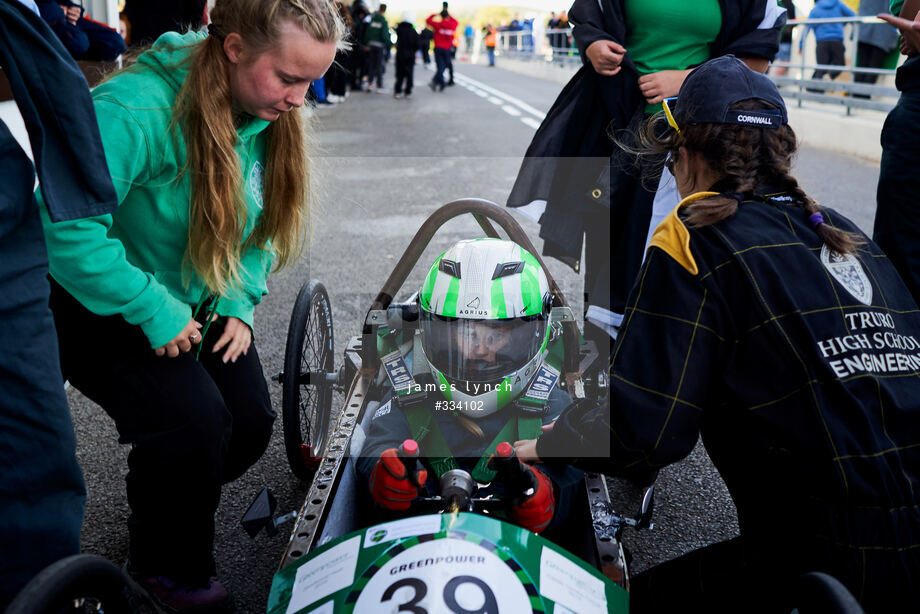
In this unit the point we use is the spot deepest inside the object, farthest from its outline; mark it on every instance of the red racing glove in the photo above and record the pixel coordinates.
(391, 487)
(535, 512)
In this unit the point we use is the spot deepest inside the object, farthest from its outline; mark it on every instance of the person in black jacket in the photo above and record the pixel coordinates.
(785, 338)
(406, 47)
(338, 76)
(424, 44)
(359, 17)
(897, 224)
(41, 486)
(576, 182)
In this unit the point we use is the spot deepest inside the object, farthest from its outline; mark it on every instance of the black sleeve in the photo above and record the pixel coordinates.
(566, 481)
(73, 39)
(665, 360)
(592, 22)
(751, 28)
(54, 101)
(584, 426)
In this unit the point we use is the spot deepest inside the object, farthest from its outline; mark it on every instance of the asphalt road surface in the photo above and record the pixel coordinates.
(385, 165)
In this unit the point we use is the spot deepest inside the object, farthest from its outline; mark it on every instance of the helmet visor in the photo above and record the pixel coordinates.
(481, 351)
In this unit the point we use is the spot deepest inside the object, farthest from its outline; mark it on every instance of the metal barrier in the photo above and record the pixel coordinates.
(558, 47)
(799, 86)
(552, 46)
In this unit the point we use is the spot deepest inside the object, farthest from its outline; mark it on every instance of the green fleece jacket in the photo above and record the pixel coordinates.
(377, 31)
(132, 261)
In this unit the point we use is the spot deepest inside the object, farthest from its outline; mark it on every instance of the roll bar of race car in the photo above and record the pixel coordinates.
(482, 211)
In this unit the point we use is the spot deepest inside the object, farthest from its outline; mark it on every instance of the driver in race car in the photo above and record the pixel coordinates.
(478, 374)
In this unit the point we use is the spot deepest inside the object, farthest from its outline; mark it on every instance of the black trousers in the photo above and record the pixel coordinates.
(41, 486)
(375, 65)
(831, 53)
(358, 66)
(193, 426)
(868, 56)
(405, 67)
(734, 576)
(337, 76)
(711, 579)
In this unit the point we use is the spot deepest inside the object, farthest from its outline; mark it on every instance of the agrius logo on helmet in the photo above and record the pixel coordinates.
(473, 309)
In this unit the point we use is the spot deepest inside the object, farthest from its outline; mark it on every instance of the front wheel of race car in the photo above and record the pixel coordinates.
(308, 379)
(81, 583)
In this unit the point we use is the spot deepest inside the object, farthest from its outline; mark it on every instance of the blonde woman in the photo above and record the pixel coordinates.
(154, 303)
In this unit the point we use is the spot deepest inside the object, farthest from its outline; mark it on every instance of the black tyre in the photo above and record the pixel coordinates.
(79, 583)
(820, 593)
(307, 384)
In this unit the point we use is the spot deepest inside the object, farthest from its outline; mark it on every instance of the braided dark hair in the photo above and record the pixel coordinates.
(745, 158)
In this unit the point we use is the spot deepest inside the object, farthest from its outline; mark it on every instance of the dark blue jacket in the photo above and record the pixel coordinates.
(85, 40)
(825, 9)
(41, 487)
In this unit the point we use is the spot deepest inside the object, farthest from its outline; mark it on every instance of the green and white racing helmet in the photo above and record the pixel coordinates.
(485, 307)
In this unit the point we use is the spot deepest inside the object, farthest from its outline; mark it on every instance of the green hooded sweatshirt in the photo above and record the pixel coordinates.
(132, 261)
(377, 31)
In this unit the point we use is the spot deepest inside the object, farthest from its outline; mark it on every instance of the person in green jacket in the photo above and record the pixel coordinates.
(154, 303)
(376, 42)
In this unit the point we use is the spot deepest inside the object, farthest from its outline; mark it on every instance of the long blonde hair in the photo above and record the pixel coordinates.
(204, 110)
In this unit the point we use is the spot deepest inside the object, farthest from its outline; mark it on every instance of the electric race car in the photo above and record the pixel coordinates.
(457, 554)
(460, 556)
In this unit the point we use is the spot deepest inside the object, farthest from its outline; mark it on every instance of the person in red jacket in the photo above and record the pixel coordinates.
(444, 27)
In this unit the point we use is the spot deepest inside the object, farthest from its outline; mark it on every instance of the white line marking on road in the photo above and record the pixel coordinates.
(483, 91)
(506, 97)
(530, 122)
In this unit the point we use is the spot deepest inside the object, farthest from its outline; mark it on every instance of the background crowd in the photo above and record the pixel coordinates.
(375, 34)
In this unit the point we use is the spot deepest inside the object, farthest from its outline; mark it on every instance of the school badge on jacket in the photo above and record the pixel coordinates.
(849, 273)
(256, 176)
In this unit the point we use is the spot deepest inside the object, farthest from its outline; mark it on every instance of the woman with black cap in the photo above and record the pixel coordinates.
(776, 330)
